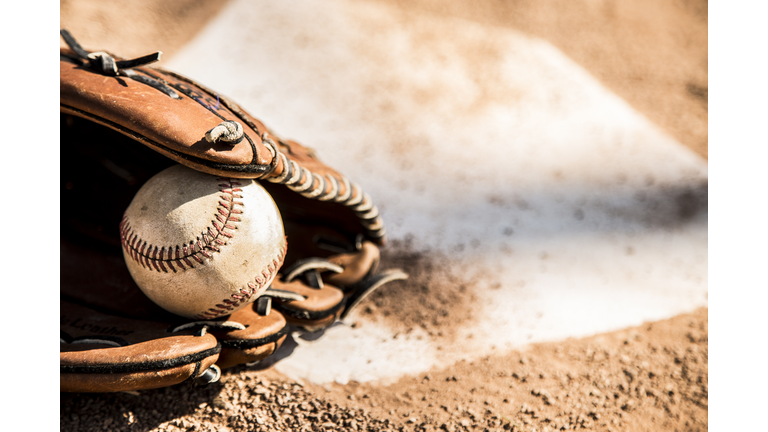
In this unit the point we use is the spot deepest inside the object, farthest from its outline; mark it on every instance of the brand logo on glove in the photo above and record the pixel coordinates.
(82, 325)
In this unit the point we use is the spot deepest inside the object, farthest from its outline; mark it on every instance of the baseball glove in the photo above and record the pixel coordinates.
(113, 338)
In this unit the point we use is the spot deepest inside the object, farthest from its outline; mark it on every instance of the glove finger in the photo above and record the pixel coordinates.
(106, 353)
(357, 258)
(265, 331)
(181, 137)
(358, 266)
(308, 308)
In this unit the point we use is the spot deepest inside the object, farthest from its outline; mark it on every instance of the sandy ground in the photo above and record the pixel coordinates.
(651, 377)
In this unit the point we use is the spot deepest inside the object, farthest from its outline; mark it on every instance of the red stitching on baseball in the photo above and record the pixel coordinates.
(221, 309)
(147, 255)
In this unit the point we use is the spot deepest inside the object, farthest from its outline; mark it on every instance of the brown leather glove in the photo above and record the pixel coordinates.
(325, 275)
(105, 353)
(108, 105)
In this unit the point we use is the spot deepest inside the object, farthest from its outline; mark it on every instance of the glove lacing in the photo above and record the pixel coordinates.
(106, 64)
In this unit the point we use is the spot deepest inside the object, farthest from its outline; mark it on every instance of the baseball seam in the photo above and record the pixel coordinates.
(244, 295)
(152, 257)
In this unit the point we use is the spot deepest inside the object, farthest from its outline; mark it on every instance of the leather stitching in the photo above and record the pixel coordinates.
(163, 258)
(244, 295)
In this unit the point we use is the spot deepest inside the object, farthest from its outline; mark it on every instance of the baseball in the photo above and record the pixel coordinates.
(202, 246)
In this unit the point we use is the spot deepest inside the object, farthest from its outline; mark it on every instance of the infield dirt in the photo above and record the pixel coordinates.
(651, 377)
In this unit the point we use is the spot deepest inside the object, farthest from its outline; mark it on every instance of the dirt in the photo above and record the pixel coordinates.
(653, 54)
(440, 298)
(651, 377)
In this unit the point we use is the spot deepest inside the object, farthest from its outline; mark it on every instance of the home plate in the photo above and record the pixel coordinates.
(487, 150)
